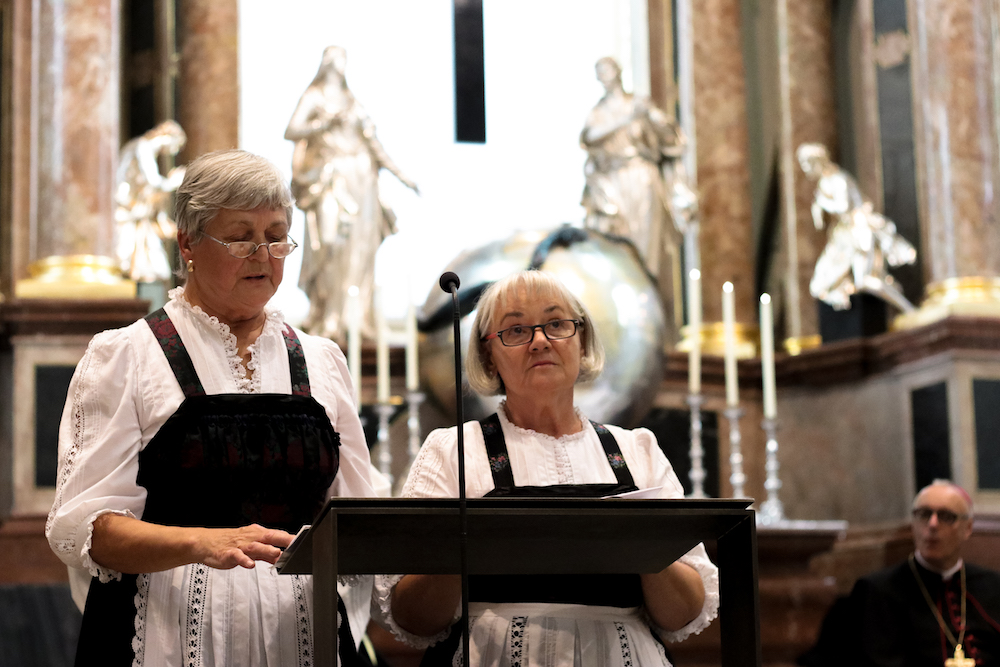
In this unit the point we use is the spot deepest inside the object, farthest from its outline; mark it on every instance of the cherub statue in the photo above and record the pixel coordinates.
(335, 170)
(143, 201)
(635, 177)
(860, 241)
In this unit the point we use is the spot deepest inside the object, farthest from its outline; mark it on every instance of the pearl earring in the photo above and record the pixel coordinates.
(190, 266)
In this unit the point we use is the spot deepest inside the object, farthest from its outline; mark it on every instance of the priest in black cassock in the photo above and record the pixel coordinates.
(932, 610)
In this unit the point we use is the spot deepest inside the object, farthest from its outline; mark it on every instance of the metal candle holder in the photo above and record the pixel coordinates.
(771, 510)
(736, 477)
(697, 453)
(413, 401)
(384, 412)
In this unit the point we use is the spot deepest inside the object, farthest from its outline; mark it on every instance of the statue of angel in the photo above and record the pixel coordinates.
(335, 168)
(635, 179)
(142, 198)
(861, 242)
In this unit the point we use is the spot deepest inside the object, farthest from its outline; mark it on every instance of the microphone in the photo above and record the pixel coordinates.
(449, 282)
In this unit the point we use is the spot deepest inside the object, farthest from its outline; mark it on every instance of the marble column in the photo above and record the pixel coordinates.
(956, 83)
(208, 102)
(722, 153)
(76, 132)
(73, 145)
(808, 114)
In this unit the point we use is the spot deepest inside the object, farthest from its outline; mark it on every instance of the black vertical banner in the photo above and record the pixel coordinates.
(470, 77)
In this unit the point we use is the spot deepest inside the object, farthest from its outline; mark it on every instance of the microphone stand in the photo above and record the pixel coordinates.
(449, 283)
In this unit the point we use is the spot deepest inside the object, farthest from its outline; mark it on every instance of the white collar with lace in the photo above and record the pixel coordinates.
(273, 325)
(564, 439)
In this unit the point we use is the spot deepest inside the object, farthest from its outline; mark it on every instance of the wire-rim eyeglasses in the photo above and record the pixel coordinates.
(244, 249)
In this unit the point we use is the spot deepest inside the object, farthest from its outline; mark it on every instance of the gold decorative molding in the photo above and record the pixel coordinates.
(795, 346)
(972, 295)
(713, 340)
(75, 277)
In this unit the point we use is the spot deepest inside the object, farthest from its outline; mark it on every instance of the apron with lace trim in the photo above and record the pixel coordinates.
(220, 461)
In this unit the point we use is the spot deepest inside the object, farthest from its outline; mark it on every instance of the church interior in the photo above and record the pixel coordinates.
(830, 415)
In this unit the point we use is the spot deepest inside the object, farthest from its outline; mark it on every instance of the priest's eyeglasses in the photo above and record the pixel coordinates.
(945, 517)
(522, 334)
(244, 249)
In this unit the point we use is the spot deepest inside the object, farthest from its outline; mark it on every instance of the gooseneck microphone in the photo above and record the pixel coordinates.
(449, 282)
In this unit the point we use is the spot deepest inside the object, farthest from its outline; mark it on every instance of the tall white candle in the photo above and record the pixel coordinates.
(381, 352)
(767, 356)
(412, 369)
(354, 340)
(729, 330)
(694, 328)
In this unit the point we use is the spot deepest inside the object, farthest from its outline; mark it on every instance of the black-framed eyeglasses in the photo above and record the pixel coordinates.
(522, 334)
(945, 517)
(244, 249)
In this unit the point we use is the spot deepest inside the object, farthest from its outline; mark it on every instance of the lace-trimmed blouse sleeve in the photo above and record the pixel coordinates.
(100, 437)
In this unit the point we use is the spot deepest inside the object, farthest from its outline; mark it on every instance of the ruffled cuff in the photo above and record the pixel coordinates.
(104, 574)
(385, 584)
(710, 579)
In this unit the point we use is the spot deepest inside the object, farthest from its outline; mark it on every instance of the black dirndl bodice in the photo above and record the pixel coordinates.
(610, 590)
(220, 461)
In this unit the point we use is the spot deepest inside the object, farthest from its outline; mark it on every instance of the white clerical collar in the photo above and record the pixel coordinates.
(947, 574)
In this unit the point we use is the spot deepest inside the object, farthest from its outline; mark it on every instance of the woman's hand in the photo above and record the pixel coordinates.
(132, 546)
(225, 548)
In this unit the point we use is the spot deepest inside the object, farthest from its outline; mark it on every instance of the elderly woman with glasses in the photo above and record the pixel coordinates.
(533, 342)
(196, 441)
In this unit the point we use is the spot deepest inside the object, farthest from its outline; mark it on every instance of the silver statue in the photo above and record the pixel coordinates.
(635, 177)
(335, 170)
(861, 242)
(142, 197)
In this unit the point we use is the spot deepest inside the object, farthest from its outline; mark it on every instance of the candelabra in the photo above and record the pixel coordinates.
(413, 401)
(384, 412)
(771, 510)
(736, 477)
(697, 453)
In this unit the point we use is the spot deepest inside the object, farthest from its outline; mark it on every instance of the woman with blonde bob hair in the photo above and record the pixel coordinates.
(532, 342)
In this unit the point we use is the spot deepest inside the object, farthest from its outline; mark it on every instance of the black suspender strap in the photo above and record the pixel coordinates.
(177, 355)
(296, 363)
(614, 454)
(496, 450)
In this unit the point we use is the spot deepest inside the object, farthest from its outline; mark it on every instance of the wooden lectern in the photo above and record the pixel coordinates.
(531, 536)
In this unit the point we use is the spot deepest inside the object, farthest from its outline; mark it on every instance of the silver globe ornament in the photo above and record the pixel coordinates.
(608, 277)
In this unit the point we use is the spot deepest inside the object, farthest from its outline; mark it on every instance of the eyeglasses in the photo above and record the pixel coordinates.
(945, 517)
(244, 249)
(522, 334)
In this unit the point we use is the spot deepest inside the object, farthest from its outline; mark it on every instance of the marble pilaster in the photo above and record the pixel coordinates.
(955, 77)
(722, 151)
(809, 115)
(208, 104)
(74, 128)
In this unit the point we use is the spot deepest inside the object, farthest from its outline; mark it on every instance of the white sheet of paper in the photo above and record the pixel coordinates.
(653, 492)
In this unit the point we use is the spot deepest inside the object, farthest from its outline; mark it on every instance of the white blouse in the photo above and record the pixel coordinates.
(122, 392)
(540, 460)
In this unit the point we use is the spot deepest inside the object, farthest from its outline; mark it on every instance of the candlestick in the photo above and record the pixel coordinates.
(412, 369)
(354, 340)
(736, 477)
(771, 510)
(767, 357)
(697, 452)
(381, 351)
(729, 329)
(694, 329)
(413, 401)
(384, 412)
